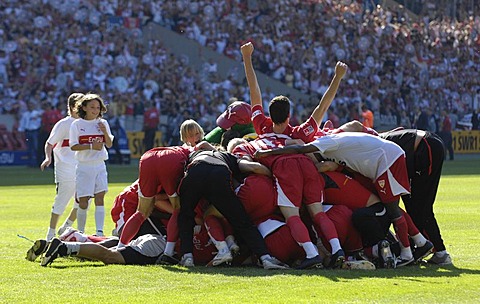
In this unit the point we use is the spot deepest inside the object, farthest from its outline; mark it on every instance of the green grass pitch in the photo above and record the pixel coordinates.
(26, 196)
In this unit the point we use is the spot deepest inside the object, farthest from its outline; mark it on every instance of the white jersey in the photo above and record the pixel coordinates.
(59, 139)
(65, 161)
(85, 132)
(368, 155)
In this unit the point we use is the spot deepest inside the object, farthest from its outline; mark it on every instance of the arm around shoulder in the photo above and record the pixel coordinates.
(247, 166)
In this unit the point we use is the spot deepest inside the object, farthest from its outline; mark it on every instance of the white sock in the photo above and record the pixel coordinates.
(335, 243)
(67, 223)
(222, 247)
(441, 254)
(419, 239)
(375, 251)
(187, 255)
(169, 248)
(99, 219)
(81, 219)
(50, 234)
(310, 249)
(405, 253)
(72, 248)
(230, 239)
(265, 257)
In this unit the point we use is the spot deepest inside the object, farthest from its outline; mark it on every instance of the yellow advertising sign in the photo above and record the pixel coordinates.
(466, 141)
(135, 143)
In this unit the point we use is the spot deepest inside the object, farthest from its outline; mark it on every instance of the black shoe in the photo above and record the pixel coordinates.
(309, 263)
(400, 262)
(167, 260)
(386, 259)
(55, 249)
(421, 252)
(38, 248)
(337, 259)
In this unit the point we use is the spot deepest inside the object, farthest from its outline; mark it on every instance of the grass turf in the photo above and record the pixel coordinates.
(26, 196)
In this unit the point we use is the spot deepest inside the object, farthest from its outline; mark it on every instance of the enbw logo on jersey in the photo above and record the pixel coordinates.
(309, 130)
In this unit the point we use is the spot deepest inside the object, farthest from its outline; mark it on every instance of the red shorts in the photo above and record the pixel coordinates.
(258, 197)
(394, 182)
(281, 245)
(297, 182)
(161, 167)
(348, 191)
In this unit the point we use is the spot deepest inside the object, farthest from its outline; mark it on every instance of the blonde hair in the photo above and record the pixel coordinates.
(72, 100)
(85, 100)
(232, 144)
(190, 126)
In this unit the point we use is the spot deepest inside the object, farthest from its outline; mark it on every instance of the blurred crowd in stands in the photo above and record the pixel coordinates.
(400, 64)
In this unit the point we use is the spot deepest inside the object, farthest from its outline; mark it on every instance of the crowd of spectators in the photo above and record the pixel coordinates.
(398, 64)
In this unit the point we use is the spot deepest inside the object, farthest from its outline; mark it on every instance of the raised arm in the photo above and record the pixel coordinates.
(255, 93)
(293, 149)
(329, 95)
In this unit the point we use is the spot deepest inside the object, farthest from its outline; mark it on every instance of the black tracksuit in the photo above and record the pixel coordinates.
(424, 167)
(203, 179)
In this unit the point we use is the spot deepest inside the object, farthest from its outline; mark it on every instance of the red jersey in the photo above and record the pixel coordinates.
(264, 125)
(151, 118)
(162, 167)
(126, 203)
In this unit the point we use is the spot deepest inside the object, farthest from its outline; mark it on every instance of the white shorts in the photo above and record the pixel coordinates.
(65, 191)
(91, 179)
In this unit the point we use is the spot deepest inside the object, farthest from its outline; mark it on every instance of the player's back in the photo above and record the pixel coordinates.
(273, 141)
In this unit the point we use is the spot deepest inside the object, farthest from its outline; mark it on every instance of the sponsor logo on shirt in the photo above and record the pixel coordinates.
(87, 139)
(309, 130)
(256, 113)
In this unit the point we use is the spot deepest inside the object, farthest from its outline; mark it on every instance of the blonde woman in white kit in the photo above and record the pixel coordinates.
(90, 135)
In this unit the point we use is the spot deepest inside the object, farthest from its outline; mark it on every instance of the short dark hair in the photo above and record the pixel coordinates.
(279, 109)
(227, 136)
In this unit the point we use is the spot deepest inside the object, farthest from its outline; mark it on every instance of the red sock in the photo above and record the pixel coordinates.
(369, 131)
(298, 229)
(412, 229)
(214, 228)
(326, 224)
(131, 227)
(172, 226)
(401, 229)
